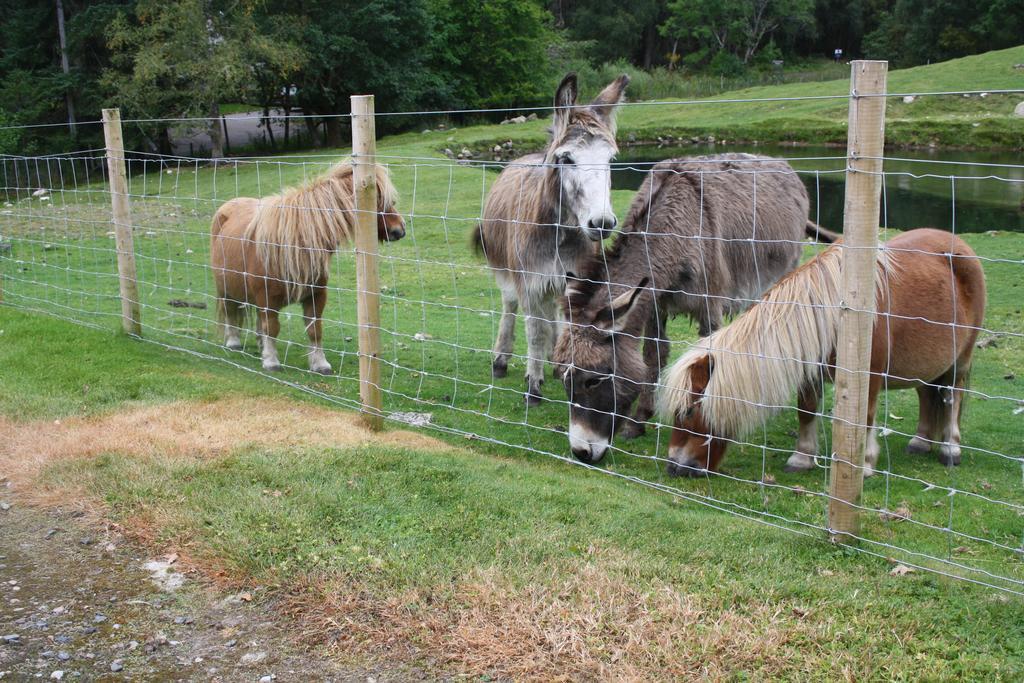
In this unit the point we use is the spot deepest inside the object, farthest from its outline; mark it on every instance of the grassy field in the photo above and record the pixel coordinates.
(431, 547)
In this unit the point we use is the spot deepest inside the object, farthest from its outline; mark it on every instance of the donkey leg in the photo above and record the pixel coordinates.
(506, 332)
(710, 316)
(270, 326)
(536, 342)
(949, 451)
(232, 324)
(312, 313)
(929, 406)
(808, 403)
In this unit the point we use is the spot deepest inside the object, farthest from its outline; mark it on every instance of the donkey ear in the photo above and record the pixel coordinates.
(565, 97)
(618, 314)
(606, 102)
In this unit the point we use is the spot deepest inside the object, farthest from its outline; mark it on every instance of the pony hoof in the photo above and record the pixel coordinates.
(233, 346)
(632, 430)
(276, 367)
(499, 370)
(918, 446)
(950, 457)
(533, 399)
(323, 370)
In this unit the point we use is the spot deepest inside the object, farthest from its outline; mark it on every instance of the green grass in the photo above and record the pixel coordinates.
(390, 522)
(417, 519)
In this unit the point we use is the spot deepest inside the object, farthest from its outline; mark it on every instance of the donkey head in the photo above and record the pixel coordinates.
(580, 152)
(600, 362)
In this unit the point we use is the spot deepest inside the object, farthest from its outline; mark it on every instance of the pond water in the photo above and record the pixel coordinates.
(971, 191)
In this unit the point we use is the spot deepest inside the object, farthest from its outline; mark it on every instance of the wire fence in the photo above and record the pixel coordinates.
(444, 345)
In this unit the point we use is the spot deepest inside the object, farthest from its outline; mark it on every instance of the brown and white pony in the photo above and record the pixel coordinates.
(277, 250)
(545, 214)
(930, 294)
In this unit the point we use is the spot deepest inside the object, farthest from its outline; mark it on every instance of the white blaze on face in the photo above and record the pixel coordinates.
(587, 185)
(582, 438)
(684, 455)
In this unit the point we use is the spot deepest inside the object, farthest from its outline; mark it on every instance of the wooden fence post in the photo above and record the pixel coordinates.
(122, 219)
(865, 146)
(364, 150)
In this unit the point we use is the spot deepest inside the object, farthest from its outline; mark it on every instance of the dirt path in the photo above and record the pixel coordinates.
(80, 602)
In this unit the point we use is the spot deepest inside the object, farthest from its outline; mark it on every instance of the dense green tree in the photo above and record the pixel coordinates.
(490, 53)
(922, 31)
(724, 32)
(360, 46)
(182, 59)
(33, 86)
(613, 29)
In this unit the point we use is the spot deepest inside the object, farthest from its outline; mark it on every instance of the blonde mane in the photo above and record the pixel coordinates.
(296, 232)
(763, 357)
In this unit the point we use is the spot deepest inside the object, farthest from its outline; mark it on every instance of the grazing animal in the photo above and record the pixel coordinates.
(930, 295)
(277, 250)
(705, 237)
(545, 214)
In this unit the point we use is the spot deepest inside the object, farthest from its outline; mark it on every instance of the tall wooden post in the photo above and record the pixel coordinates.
(122, 219)
(364, 150)
(865, 146)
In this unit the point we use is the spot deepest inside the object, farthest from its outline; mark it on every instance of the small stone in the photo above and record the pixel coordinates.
(268, 679)
(231, 643)
(63, 656)
(89, 630)
(1019, 110)
(5, 506)
(116, 665)
(99, 619)
(252, 658)
(11, 639)
(57, 675)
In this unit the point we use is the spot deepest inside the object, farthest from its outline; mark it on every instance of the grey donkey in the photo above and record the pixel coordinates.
(547, 214)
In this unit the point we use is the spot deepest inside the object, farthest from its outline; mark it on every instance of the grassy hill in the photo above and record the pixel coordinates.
(953, 121)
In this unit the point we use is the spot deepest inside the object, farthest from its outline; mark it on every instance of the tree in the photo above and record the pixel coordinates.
(921, 31)
(370, 46)
(182, 59)
(614, 29)
(491, 53)
(735, 27)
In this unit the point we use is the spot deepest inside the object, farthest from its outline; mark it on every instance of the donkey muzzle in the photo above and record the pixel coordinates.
(601, 227)
(586, 446)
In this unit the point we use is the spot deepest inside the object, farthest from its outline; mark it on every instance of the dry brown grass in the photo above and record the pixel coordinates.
(585, 619)
(189, 429)
(588, 621)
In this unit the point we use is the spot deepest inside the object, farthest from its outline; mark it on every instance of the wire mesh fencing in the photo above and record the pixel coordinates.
(462, 325)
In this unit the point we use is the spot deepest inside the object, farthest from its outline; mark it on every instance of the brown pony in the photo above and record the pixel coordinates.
(930, 294)
(277, 250)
